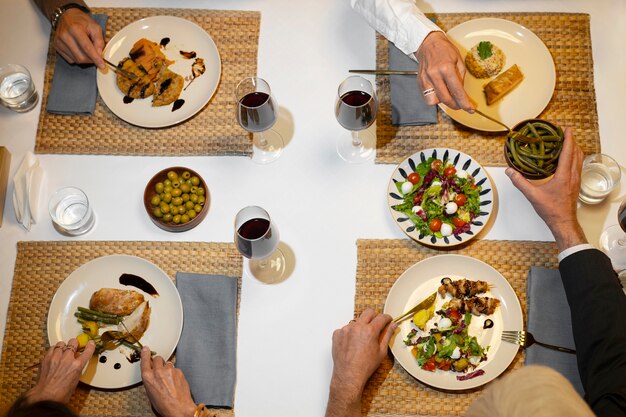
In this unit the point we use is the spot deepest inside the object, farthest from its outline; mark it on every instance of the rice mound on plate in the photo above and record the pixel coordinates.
(487, 67)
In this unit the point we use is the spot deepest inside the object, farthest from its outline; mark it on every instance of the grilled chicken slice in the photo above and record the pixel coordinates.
(137, 323)
(115, 301)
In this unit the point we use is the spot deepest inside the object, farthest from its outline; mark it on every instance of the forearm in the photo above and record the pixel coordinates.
(343, 400)
(597, 305)
(48, 7)
(568, 235)
(400, 21)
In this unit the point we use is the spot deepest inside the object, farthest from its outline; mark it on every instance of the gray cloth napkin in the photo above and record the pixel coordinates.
(207, 350)
(550, 322)
(407, 101)
(74, 88)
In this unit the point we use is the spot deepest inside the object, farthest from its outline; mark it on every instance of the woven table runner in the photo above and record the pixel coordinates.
(213, 131)
(391, 391)
(40, 268)
(573, 103)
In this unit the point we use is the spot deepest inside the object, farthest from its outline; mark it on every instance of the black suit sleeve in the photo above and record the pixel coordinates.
(598, 308)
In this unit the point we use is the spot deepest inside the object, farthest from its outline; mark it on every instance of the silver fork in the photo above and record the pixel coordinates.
(526, 339)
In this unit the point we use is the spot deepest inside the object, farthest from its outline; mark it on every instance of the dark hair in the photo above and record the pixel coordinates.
(39, 409)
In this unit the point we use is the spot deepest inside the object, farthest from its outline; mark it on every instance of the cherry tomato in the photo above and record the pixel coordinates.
(414, 178)
(436, 165)
(455, 316)
(435, 225)
(458, 222)
(444, 365)
(430, 365)
(417, 199)
(460, 199)
(449, 172)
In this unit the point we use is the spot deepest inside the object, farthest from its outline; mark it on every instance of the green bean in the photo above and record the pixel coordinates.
(97, 313)
(537, 156)
(91, 317)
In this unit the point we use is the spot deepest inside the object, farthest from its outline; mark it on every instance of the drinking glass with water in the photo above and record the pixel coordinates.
(71, 212)
(17, 90)
(600, 175)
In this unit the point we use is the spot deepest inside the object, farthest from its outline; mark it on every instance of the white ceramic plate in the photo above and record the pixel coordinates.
(420, 281)
(521, 47)
(460, 161)
(166, 317)
(184, 36)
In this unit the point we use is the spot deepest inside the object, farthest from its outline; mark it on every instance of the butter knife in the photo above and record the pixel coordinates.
(384, 72)
(421, 306)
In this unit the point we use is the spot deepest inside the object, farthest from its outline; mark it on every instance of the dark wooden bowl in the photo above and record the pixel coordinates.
(512, 165)
(150, 192)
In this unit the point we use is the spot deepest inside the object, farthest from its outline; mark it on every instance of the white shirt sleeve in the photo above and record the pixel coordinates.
(570, 251)
(400, 21)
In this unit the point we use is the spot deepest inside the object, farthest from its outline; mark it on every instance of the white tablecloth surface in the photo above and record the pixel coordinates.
(321, 204)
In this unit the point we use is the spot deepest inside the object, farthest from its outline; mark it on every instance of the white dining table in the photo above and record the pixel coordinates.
(321, 204)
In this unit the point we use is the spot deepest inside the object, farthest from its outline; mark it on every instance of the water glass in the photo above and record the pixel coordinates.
(17, 90)
(600, 175)
(71, 212)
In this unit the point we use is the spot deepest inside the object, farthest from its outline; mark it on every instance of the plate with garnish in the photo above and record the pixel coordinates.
(511, 74)
(457, 346)
(171, 69)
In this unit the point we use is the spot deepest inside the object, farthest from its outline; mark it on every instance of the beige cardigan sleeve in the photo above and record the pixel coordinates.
(48, 7)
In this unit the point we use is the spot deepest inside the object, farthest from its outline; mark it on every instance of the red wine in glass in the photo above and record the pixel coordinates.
(356, 110)
(255, 239)
(256, 112)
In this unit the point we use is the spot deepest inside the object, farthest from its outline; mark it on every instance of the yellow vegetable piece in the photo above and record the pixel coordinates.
(91, 328)
(82, 338)
(422, 316)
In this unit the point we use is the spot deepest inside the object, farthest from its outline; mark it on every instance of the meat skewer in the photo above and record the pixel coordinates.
(475, 305)
(462, 288)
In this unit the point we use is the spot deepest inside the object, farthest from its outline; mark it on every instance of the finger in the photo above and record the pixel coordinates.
(96, 36)
(64, 51)
(568, 153)
(72, 345)
(86, 42)
(426, 86)
(146, 360)
(69, 39)
(366, 316)
(387, 334)
(158, 362)
(456, 88)
(87, 353)
(380, 321)
(169, 364)
(443, 95)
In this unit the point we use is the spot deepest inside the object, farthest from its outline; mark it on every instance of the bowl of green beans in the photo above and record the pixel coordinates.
(176, 199)
(533, 148)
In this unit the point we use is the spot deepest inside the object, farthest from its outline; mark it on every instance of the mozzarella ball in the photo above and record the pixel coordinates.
(446, 229)
(451, 207)
(417, 209)
(474, 360)
(462, 174)
(436, 182)
(444, 323)
(407, 187)
(456, 353)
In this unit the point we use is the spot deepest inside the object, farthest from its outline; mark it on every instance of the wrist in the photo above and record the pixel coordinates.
(347, 392)
(567, 235)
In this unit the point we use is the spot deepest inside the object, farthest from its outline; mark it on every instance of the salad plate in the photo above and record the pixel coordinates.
(182, 35)
(424, 278)
(468, 178)
(166, 316)
(520, 46)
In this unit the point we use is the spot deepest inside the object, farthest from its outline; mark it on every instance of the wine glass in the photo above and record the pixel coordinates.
(355, 109)
(613, 242)
(256, 113)
(257, 239)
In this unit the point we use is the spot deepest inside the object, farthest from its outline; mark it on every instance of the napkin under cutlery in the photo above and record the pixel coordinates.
(27, 186)
(74, 88)
(207, 350)
(408, 107)
(549, 320)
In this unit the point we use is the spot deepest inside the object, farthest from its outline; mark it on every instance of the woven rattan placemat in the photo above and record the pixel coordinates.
(573, 103)
(392, 391)
(213, 131)
(41, 267)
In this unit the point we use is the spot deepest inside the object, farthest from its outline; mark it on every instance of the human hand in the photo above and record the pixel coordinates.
(78, 38)
(555, 200)
(442, 68)
(166, 386)
(358, 349)
(60, 370)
